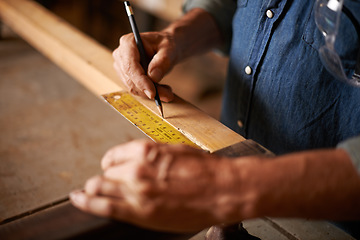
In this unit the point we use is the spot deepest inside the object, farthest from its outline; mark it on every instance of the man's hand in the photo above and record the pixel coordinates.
(161, 47)
(164, 187)
(178, 188)
(194, 33)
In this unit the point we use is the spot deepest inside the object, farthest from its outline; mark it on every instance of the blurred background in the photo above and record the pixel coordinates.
(198, 80)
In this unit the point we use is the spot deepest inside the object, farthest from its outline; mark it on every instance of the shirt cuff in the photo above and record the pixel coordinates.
(223, 12)
(352, 147)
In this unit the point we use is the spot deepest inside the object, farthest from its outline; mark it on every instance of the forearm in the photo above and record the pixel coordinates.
(315, 184)
(196, 32)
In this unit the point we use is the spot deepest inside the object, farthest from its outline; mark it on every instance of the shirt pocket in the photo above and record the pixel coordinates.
(311, 35)
(347, 40)
(242, 3)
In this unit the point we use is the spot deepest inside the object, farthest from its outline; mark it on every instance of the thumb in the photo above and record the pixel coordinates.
(160, 65)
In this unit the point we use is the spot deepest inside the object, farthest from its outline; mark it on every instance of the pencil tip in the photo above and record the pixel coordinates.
(161, 111)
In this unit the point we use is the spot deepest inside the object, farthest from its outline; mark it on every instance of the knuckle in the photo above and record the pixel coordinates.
(126, 67)
(141, 83)
(125, 39)
(92, 185)
(146, 146)
(140, 173)
(109, 157)
(133, 91)
(130, 85)
(165, 58)
(128, 82)
(145, 189)
(169, 59)
(149, 144)
(115, 53)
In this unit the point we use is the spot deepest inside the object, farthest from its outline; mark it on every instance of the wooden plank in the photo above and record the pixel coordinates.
(91, 64)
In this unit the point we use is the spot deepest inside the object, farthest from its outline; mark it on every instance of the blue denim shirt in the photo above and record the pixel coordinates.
(278, 92)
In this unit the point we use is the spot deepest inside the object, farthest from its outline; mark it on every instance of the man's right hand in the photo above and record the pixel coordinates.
(161, 47)
(194, 33)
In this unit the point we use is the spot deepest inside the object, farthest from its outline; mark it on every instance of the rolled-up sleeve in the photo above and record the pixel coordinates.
(223, 12)
(352, 147)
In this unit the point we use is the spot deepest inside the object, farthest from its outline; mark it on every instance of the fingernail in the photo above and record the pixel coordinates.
(148, 93)
(156, 74)
(77, 197)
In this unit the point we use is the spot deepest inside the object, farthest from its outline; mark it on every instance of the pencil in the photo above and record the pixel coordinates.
(144, 59)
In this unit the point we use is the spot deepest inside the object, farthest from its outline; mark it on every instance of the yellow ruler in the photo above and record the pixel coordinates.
(147, 121)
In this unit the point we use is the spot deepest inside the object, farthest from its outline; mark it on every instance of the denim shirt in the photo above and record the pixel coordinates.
(277, 92)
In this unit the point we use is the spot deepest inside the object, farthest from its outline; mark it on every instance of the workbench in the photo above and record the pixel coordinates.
(54, 132)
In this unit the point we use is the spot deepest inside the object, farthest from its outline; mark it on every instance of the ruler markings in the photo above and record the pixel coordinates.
(143, 118)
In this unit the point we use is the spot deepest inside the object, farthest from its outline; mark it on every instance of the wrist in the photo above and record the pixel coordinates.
(194, 33)
(238, 197)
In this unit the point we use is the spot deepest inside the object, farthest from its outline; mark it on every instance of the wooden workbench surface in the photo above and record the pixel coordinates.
(53, 131)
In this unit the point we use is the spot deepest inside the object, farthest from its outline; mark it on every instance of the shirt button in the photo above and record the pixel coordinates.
(248, 70)
(240, 123)
(269, 14)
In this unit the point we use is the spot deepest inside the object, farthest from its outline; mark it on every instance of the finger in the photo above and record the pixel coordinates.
(134, 150)
(141, 150)
(151, 163)
(99, 185)
(117, 66)
(130, 172)
(101, 206)
(134, 75)
(161, 63)
(129, 84)
(120, 75)
(124, 75)
(129, 193)
(124, 172)
(137, 82)
(159, 66)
